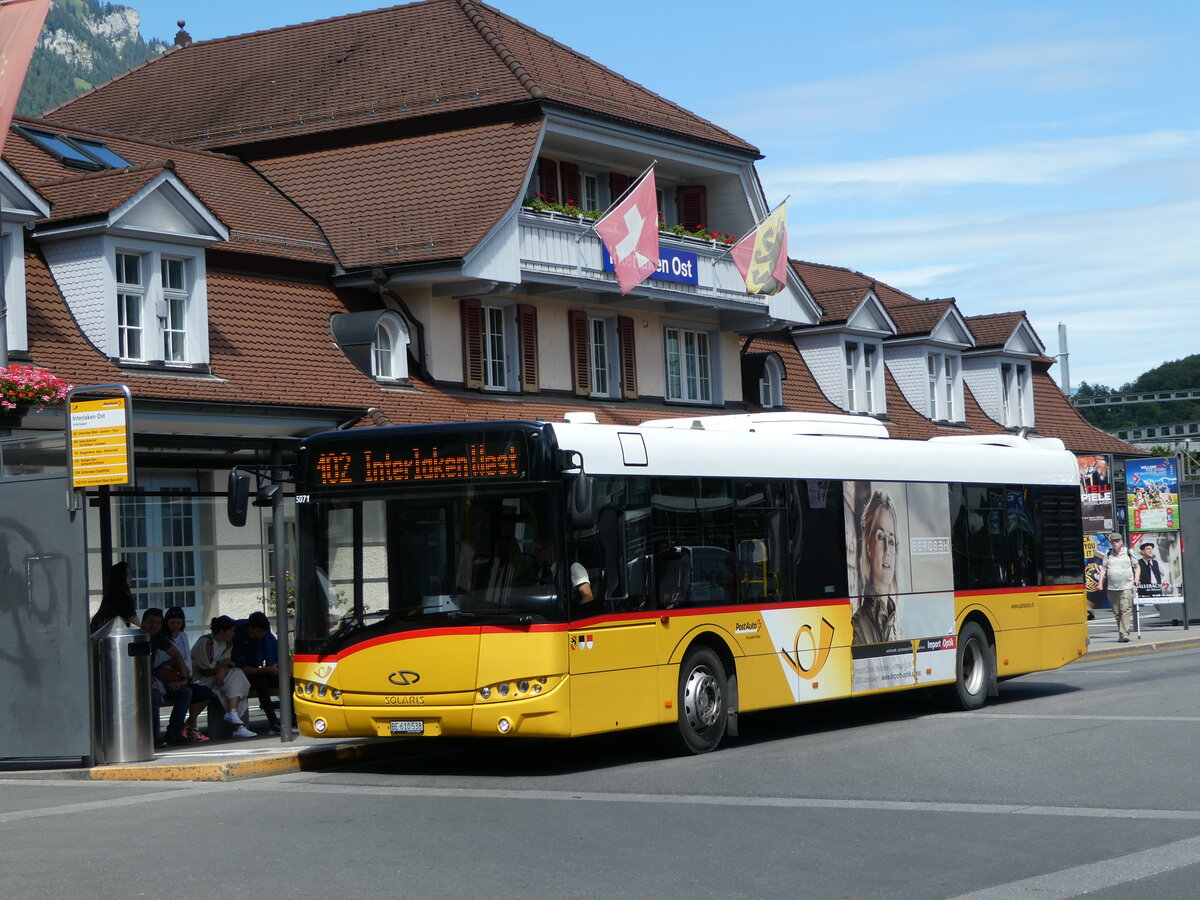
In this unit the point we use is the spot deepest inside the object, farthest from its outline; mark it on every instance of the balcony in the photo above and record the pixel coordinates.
(562, 254)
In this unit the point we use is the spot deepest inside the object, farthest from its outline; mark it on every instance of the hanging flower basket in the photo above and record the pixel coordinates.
(25, 388)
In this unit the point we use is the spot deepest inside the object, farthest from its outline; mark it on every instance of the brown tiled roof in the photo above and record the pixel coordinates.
(96, 193)
(260, 219)
(387, 65)
(818, 277)
(838, 304)
(1056, 417)
(427, 197)
(919, 317)
(995, 329)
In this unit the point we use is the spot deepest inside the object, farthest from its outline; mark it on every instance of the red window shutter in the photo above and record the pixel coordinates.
(527, 334)
(570, 182)
(548, 178)
(692, 200)
(625, 341)
(581, 372)
(472, 343)
(618, 184)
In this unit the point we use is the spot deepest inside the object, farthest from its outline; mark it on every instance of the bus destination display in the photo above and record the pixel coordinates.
(454, 459)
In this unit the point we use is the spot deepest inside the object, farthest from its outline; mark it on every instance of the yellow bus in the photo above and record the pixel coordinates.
(557, 579)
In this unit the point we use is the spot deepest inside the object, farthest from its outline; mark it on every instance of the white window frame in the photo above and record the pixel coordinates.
(498, 342)
(695, 376)
(770, 386)
(943, 371)
(390, 363)
(174, 318)
(1014, 394)
(175, 303)
(592, 189)
(131, 297)
(604, 356)
(862, 362)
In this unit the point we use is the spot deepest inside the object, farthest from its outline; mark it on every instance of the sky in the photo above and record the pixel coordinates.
(1035, 155)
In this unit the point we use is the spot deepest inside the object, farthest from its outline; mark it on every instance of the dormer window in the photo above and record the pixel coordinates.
(153, 306)
(131, 305)
(864, 388)
(1014, 388)
(943, 376)
(770, 386)
(389, 352)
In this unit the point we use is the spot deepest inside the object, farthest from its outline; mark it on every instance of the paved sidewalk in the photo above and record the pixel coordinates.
(1154, 634)
(234, 759)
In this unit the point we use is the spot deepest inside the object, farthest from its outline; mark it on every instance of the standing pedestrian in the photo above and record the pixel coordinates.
(1116, 576)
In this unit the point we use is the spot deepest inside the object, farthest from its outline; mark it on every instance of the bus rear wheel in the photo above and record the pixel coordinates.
(703, 701)
(974, 668)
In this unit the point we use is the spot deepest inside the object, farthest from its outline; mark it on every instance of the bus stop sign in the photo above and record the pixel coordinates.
(99, 438)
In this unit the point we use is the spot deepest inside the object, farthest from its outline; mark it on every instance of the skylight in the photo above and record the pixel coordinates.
(76, 152)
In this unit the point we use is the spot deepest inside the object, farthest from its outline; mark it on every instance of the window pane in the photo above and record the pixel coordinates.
(129, 269)
(172, 274)
(674, 374)
(383, 353)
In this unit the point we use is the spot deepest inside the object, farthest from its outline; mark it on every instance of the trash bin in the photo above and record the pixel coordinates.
(121, 678)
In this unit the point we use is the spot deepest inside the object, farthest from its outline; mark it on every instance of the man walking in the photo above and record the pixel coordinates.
(1116, 577)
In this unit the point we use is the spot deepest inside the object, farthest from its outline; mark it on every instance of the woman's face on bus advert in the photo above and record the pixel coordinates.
(881, 552)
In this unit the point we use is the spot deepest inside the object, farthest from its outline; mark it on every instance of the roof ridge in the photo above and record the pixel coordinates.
(501, 50)
(152, 165)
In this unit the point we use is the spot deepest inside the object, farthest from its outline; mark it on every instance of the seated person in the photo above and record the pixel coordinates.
(547, 563)
(256, 653)
(216, 671)
(166, 683)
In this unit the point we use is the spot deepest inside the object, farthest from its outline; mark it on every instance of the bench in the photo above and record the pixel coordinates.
(216, 727)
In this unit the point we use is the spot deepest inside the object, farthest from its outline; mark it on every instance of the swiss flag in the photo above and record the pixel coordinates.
(20, 25)
(630, 233)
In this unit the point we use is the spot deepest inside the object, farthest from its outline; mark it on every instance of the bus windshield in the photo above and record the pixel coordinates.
(403, 560)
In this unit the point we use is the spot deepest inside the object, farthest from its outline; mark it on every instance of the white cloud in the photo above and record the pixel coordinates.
(1025, 163)
(1123, 279)
(872, 100)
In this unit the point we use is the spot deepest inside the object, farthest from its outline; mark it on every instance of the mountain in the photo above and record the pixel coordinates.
(83, 43)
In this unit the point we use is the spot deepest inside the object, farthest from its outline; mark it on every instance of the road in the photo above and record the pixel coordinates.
(1079, 780)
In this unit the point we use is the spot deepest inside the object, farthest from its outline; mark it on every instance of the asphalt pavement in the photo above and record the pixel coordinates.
(268, 754)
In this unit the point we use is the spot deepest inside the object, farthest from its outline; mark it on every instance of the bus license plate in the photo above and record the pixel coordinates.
(407, 726)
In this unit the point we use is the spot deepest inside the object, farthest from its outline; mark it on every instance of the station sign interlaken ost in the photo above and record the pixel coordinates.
(99, 438)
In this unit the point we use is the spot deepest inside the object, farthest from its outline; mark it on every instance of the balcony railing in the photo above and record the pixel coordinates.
(556, 247)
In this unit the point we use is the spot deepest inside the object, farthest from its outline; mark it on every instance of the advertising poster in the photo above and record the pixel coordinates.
(901, 580)
(1152, 494)
(1095, 488)
(1095, 548)
(1158, 567)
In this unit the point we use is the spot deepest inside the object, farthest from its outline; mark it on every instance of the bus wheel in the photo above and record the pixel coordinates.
(974, 667)
(703, 700)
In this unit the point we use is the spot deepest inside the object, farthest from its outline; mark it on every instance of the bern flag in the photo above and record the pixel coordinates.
(761, 256)
(20, 24)
(630, 233)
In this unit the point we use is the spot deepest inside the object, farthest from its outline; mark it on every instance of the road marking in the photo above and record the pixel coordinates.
(89, 806)
(288, 784)
(1096, 876)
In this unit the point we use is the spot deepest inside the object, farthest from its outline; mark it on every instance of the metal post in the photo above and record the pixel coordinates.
(279, 543)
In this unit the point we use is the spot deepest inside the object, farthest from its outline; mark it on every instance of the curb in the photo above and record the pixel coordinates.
(1142, 648)
(306, 759)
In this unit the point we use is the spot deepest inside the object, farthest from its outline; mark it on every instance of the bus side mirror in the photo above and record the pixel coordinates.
(582, 501)
(238, 497)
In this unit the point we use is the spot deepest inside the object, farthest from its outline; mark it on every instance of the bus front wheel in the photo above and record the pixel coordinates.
(703, 700)
(974, 668)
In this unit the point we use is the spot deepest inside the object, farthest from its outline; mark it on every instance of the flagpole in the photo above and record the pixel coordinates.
(579, 237)
(750, 233)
